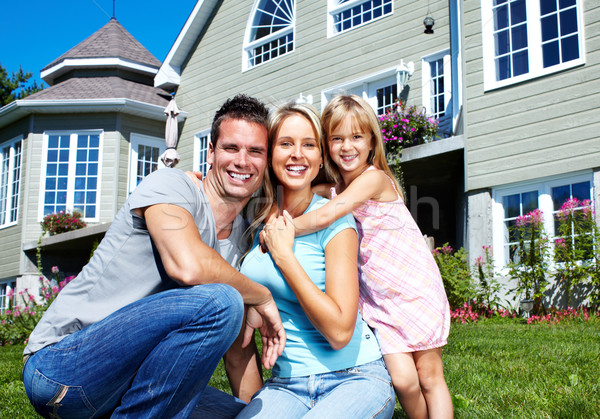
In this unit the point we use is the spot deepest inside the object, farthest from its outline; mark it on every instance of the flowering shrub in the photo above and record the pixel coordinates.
(23, 313)
(405, 126)
(454, 269)
(488, 287)
(472, 313)
(61, 222)
(529, 264)
(574, 249)
(554, 316)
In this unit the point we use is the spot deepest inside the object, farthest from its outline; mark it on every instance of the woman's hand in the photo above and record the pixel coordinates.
(278, 237)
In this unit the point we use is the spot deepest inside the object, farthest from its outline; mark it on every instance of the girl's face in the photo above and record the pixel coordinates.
(296, 154)
(349, 146)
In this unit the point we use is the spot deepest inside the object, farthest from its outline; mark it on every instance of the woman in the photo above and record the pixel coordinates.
(331, 365)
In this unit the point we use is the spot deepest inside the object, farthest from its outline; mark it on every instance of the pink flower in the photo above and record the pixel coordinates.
(10, 293)
(55, 269)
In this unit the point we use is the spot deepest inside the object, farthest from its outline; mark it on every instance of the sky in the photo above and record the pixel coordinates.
(33, 33)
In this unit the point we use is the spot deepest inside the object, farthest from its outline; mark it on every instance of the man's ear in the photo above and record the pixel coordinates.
(210, 155)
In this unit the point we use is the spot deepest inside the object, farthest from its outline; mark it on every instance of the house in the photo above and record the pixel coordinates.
(281, 50)
(531, 101)
(82, 143)
(514, 84)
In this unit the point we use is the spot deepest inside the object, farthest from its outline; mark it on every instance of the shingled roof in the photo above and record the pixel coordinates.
(102, 88)
(110, 41)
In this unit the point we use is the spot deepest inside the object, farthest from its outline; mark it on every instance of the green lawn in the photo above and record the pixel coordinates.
(493, 370)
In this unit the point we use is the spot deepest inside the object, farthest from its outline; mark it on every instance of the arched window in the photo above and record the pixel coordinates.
(270, 31)
(348, 14)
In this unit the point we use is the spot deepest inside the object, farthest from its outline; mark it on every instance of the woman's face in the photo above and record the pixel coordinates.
(296, 154)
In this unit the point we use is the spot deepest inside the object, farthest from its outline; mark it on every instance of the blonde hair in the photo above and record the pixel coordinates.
(262, 203)
(354, 106)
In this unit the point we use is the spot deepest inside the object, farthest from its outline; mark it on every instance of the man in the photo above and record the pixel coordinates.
(141, 329)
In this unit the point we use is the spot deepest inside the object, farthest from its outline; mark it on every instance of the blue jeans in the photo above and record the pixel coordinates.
(152, 358)
(364, 391)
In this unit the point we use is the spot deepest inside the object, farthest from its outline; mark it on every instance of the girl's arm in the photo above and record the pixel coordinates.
(333, 312)
(367, 186)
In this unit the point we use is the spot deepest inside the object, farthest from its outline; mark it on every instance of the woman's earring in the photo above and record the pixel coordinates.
(321, 166)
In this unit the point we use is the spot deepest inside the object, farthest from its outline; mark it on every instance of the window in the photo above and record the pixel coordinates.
(144, 158)
(380, 90)
(10, 181)
(71, 173)
(7, 290)
(348, 14)
(201, 142)
(526, 39)
(437, 84)
(547, 195)
(270, 32)
(571, 193)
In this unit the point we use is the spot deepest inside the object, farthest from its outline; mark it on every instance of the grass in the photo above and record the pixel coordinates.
(494, 370)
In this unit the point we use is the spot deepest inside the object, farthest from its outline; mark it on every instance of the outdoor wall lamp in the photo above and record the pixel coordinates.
(428, 22)
(403, 73)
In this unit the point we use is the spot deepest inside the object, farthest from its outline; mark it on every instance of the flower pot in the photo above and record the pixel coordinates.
(526, 305)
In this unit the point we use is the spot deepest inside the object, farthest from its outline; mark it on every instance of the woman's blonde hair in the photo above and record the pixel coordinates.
(363, 115)
(267, 194)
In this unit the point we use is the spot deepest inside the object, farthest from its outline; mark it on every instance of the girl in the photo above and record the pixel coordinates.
(402, 296)
(331, 366)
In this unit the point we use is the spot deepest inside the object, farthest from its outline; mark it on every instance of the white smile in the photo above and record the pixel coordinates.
(349, 158)
(296, 169)
(240, 176)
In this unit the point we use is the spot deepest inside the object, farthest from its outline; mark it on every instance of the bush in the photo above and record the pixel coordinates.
(454, 269)
(23, 313)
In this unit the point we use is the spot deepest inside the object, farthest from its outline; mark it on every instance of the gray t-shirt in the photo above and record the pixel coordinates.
(126, 266)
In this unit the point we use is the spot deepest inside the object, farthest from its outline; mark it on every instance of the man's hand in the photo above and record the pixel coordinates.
(265, 317)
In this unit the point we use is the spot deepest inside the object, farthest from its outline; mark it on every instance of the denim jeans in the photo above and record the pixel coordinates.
(152, 358)
(364, 391)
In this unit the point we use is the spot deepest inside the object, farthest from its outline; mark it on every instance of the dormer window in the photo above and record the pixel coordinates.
(270, 32)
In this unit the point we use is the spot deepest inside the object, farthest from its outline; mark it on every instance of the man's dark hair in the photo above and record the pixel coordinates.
(242, 107)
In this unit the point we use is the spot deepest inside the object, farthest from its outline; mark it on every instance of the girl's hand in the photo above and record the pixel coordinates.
(278, 236)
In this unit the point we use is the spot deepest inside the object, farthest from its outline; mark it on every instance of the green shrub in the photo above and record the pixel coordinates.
(454, 268)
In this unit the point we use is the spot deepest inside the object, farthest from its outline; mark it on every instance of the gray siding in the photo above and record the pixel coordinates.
(10, 237)
(214, 70)
(542, 127)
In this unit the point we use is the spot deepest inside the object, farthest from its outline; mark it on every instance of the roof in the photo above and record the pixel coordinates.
(110, 46)
(168, 76)
(111, 87)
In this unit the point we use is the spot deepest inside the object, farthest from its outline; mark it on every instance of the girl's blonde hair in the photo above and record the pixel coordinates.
(363, 115)
(267, 194)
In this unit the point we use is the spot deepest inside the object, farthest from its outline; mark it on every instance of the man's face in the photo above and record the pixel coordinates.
(239, 158)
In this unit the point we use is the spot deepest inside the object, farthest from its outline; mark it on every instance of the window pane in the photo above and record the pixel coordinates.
(500, 17)
(517, 12)
(549, 27)
(502, 68)
(559, 195)
(566, 3)
(547, 6)
(520, 63)
(502, 43)
(511, 206)
(568, 21)
(530, 201)
(550, 54)
(519, 37)
(581, 191)
(570, 48)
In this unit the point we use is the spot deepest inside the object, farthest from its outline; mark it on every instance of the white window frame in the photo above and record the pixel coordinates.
(71, 173)
(545, 204)
(366, 87)
(427, 86)
(5, 287)
(250, 45)
(11, 194)
(334, 8)
(199, 165)
(534, 43)
(135, 140)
